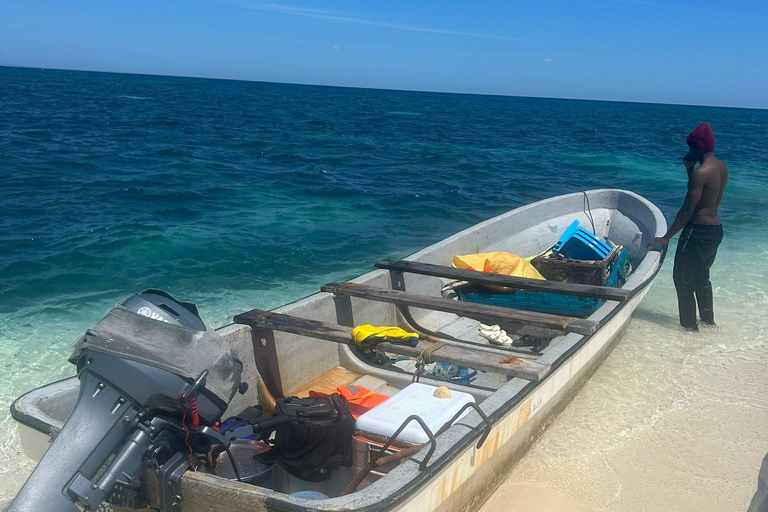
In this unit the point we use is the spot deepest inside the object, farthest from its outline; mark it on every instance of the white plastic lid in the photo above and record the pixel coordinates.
(418, 399)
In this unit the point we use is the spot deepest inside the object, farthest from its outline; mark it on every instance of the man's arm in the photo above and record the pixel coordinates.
(696, 184)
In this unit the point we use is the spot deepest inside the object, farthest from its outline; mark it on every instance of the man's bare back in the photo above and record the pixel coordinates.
(714, 175)
(701, 229)
(706, 185)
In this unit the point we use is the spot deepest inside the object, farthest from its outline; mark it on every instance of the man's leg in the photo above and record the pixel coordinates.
(706, 242)
(684, 274)
(705, 302)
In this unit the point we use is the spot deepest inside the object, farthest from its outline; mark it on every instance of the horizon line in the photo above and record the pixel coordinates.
(389, 89)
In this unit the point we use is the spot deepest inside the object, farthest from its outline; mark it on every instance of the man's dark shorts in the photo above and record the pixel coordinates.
(696, 251)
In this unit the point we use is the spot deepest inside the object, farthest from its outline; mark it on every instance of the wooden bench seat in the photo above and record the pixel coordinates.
(521, 283)
(492, 314)
(465, 357)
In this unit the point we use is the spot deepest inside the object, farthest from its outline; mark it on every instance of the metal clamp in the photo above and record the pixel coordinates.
(169, 476)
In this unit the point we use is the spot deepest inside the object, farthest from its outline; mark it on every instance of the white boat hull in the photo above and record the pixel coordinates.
(459, 476)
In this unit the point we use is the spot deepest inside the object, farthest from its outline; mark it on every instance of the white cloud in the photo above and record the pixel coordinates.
(336, 47)
(548, 59)
(337, 16)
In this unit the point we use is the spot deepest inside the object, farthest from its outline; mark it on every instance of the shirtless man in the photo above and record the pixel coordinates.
(702, 231)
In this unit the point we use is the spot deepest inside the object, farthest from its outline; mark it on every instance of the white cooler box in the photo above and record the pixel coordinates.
(385, 418)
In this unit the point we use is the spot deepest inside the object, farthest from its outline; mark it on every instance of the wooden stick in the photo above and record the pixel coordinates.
(522, 283)
(469, 309)
(459, 356)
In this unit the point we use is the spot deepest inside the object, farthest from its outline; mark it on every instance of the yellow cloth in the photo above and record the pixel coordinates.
(497, 263)
(362, 332)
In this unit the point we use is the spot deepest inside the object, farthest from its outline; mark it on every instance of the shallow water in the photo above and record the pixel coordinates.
(238, 195)
(671, 421)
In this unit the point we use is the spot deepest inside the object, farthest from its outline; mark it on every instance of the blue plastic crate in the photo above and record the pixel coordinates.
(543, 302)
(579, 244)
(547, 302)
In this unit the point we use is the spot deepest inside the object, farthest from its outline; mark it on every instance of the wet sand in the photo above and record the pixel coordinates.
(672, 421)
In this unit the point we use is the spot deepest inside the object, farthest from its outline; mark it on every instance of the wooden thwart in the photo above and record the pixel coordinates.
(522, 283)
(505, 365)
(492, 314)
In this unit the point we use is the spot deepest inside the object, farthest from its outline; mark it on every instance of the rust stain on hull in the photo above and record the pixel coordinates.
(501, 433)
(524, 413)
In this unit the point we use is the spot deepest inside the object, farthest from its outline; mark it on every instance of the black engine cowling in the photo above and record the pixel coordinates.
(144, 368)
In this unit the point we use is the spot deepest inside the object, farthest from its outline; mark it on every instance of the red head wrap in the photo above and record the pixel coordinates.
(702, 138)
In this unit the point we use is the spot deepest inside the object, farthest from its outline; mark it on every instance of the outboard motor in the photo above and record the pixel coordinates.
(153, 380)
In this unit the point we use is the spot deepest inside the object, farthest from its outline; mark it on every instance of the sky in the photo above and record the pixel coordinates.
(705, 52)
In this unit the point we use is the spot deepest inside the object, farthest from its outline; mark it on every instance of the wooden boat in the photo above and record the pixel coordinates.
(305, 346)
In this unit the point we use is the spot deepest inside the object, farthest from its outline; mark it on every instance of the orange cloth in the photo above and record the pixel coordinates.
(359, 403)
(364, 397)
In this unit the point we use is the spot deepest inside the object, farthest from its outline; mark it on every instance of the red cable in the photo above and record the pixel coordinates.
(186, 430)
(195, 415)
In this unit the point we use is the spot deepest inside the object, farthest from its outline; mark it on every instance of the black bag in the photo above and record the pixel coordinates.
(317, 440)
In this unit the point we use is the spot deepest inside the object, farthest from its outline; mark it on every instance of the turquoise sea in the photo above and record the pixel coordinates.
(238, 195)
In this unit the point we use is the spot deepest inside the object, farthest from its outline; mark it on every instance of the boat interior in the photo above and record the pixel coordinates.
(306, 346)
